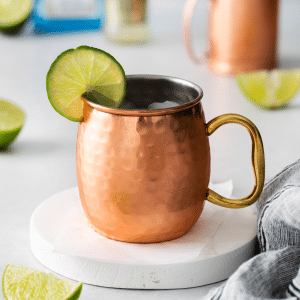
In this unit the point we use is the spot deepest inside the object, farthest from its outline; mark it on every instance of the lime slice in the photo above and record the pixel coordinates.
(270, 89)
(13, 14)
(12, 119)
(88, 72)
(25, 283)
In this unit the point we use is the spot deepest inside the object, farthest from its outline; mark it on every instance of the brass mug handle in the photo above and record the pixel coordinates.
(258, 161)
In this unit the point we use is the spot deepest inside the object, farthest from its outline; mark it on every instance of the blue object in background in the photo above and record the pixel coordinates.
(61, 16)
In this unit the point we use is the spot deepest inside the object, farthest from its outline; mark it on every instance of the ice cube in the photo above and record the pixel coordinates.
(160, 105)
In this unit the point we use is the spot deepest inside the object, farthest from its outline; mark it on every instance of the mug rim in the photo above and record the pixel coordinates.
(150, 112)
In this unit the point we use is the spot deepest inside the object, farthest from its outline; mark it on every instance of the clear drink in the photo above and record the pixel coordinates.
(127, 21)
(129, 104)
(154, 105)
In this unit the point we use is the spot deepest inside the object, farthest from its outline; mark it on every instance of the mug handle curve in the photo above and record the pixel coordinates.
(187, 22)
(258, 161)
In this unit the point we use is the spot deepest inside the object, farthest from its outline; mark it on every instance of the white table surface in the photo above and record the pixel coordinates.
(41, 162)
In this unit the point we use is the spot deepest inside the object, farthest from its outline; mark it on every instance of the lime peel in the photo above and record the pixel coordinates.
(84, 72)
(12, 119)
(13, 14)
(25, 283)
(270, 89)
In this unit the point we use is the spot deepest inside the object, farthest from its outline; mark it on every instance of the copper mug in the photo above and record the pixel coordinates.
(242, 35)
(143, 174)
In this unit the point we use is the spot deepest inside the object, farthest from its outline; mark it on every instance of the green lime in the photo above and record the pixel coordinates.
(270, 89)
(88, 72)
(12, 119)
(25, 283)
(13, 14)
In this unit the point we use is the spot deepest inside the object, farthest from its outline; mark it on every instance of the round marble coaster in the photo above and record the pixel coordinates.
(231, 244)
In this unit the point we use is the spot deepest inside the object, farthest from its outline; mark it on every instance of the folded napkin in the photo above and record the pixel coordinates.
(275, 272)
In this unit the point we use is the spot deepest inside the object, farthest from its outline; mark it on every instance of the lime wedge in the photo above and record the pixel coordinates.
(88, 72)
(270, 89)
(12, 119)
(13, 14)
(25, 283)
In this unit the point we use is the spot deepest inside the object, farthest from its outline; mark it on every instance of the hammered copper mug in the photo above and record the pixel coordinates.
(241, 35)
(143, 174)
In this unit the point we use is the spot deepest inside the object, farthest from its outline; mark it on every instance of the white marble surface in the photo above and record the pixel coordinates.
(217, 245)
(42, 160)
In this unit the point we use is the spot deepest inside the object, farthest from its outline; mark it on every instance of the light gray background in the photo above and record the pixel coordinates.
(42, 161)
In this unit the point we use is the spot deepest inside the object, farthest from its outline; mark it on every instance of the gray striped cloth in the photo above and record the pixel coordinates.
(274, 273)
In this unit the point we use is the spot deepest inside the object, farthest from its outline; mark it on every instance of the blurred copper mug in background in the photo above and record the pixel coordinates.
(242, 35)
(143, 174)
